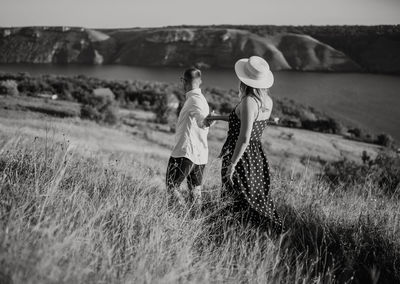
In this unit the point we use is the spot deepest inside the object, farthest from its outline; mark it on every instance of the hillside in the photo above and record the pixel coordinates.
(289, 149)
(84, 203)
(286, 48)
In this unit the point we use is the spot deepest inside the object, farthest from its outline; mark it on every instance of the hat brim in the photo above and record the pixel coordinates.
(265, 82)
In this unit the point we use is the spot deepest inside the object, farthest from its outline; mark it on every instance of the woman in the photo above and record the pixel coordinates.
(245, 170)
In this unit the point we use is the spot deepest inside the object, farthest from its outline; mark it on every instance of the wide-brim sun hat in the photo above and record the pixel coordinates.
(254, 72)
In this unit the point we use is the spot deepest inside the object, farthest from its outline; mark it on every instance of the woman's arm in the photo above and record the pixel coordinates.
(248, 112)
(217, 117)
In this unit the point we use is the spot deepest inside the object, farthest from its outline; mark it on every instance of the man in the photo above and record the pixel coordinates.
(190, 154)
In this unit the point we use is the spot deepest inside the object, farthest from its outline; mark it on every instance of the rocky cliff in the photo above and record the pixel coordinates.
(217, 47)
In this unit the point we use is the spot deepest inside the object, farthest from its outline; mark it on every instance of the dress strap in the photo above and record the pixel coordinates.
(234, 109)
(237, 104)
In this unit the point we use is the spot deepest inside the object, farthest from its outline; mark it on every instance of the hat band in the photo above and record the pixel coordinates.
(253, 73)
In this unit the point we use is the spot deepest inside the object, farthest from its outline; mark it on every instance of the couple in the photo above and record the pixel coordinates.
(245, 170)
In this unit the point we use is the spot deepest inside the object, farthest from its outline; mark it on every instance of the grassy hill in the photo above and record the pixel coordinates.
(85, 203)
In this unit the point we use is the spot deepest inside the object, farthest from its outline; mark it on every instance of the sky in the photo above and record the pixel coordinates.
(152, 13)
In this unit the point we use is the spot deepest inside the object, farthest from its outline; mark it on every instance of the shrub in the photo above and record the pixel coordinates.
(110, 115)
(345, 172)
(106, 115)
(384, 171)
(291, 122)
(100, 108)
(328, 125)
(63, 89)
(90, 112)
(162, 109)
(9, 87)
(226, 107)
(384, 140)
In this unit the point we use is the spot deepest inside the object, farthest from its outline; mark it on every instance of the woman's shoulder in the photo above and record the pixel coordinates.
(249, 102)
(253, 102)
(268, 100)
(249, 105)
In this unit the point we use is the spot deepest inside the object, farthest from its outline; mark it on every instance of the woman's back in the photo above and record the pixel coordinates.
(264, 108)
(261, 112)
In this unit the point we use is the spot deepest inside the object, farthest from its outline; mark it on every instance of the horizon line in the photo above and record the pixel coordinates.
(205, 25)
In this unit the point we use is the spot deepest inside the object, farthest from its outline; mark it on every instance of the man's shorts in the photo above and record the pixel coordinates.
(180, 168)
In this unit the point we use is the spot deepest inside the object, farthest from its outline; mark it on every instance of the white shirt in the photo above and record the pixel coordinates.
(191, 133)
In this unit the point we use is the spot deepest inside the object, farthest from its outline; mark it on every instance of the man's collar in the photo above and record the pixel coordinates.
(196, 91)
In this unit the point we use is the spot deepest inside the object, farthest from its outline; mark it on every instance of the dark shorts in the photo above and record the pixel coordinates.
(180, 168)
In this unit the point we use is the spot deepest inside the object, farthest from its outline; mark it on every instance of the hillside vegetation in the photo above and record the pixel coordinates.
(156, 97)
(304, 48)
(85, 203)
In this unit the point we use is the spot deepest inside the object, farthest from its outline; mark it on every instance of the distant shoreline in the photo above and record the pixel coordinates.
(332, 48)
(395, 74)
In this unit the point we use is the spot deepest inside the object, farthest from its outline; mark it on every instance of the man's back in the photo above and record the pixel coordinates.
(190, 154)
(191, 133)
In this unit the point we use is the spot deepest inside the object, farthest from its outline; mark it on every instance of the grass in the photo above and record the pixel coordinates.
(98, 214)
(55, 108)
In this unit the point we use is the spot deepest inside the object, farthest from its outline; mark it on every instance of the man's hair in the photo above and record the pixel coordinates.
(191, 74)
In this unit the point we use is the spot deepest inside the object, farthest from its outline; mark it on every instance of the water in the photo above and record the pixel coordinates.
(367, 100)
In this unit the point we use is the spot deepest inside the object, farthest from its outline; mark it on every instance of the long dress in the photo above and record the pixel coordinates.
(251, 179)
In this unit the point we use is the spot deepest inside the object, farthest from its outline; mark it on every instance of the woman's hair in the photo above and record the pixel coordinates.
(256, 93)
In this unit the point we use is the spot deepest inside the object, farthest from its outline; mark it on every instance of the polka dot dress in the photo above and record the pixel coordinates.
(251, 181)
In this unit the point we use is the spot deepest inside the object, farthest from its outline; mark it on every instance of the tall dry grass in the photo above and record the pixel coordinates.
(102, 217)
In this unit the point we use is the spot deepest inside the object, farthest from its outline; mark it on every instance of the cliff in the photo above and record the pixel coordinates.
(216, 46)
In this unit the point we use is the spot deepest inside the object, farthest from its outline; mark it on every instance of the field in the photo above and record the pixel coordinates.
(85, 203)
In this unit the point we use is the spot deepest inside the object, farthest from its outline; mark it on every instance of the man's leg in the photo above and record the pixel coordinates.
(195, 181)
(178, 169)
